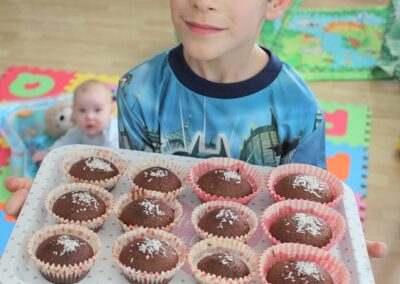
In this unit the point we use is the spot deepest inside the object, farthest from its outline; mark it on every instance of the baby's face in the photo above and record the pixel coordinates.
(92, 109)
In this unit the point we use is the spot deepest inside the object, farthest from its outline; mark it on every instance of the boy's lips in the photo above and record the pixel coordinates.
(203, 29)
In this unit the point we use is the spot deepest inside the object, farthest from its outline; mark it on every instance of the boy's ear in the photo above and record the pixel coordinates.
(276, 8)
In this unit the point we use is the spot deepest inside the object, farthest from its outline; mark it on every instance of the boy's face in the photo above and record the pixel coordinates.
(210, 29)
(92, 109)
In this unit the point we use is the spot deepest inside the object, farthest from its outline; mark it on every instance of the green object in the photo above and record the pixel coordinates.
(389, 61)
(28, 85)
(4, 194)
(329, 44)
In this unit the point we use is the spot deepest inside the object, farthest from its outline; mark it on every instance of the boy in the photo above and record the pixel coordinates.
(218, 94)
(92, 112)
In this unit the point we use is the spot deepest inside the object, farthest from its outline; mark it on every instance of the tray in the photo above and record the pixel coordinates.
(16, 266)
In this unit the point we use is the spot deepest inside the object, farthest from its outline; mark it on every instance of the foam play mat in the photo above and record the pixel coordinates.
(329, 44)
(26, 92)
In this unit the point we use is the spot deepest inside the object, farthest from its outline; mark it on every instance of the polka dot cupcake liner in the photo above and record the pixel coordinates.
(93, 224)
(249, 172)
(246, 213)
(215, 245)
(280, 209)
(63, 273)
(75, 156)
(138, 276)
(178, 170)
(280, 172)
(290, 251)
(125, 199)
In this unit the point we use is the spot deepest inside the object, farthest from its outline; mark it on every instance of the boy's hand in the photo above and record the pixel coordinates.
(376, 249)
(20, 187)
(38, 156)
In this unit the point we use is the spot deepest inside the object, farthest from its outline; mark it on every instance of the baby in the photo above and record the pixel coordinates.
(92, 112)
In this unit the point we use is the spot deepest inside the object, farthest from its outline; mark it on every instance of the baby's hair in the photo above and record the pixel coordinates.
(84, 86)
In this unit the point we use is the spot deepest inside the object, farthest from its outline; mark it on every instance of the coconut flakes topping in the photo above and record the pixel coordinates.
(84, 199)
(307, 223)
(68, 244)
(151, 247)
(231, 175)
(226, 259)
(226, 216)
(310, 183)
(310, 269)
(151, 208)
(156, 173)
(98, 164)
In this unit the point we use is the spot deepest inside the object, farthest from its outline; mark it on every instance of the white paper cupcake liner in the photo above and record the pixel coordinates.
(335, 220)
(282, 252)
(246, 213)
(249, 172)
(63, 273)
(278, 173)
(125, 199)
(215, 245)
(138, 276)
(93, 224)
(177, 169)
(73, 157)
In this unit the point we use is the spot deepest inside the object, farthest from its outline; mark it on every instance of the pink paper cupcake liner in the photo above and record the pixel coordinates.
(75, 156)
(137, 276)
(245, 212)
(282, 252)
(278, 173)
(178, 170)
(94, 224)
(215, 245)
(280, 209)
(247, 171)
(125, 199)
(63, 273)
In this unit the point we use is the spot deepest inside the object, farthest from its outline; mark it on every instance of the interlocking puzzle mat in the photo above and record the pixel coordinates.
(329, 44)
(347, 128)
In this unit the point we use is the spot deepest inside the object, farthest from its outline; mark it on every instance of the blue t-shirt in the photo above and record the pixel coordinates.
(270, 119)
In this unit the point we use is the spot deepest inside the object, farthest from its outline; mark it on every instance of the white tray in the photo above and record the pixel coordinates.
(16, 266)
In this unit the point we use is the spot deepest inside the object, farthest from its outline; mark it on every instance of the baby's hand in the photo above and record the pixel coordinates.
(20, 186)
(376, 249)
(39, 156)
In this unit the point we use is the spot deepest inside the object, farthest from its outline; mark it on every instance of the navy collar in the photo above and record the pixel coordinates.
(222, 90)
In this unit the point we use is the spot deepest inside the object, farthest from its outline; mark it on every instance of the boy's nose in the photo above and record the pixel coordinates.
(204, 5)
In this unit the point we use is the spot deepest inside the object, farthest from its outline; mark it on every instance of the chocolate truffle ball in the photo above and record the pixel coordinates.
(307, 187)
(93, 169)
(302, 228)
(298, 271)
(147, 212)
(225, 183)
(149, 254)
(224, 264)
(157, 179)
(64, 250)
(79, 206)
(224, 222)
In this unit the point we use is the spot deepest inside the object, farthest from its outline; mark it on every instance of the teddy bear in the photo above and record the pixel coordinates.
(58, 119)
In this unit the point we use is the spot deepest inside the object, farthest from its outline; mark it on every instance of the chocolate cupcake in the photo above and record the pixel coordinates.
(159, 176)
(298, 271)
(64, 253)
(148, 210)
(149, 255)
(299, 263)
(225, 179)
(225, 183)
(301, 228)
(301, 181)
(303, 221)
(221, 260)
(94, 165)
(297, 186)
(81, 204)
(226, 219)
(224, 264)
